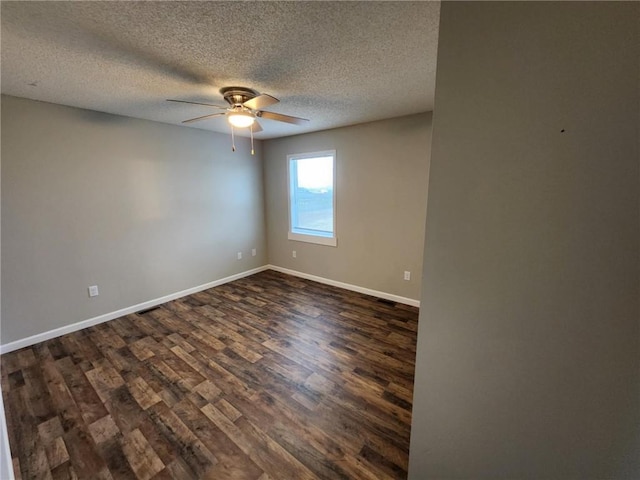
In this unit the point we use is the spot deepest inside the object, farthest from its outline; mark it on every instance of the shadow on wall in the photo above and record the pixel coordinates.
(411, 123)
(102, 118)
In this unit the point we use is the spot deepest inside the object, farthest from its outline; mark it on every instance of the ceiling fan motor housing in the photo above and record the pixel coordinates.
(235, 96)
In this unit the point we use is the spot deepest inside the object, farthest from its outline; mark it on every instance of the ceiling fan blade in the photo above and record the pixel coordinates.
(256, 127)
(196, 103)
(261, 101)
(282, 118)
(204, 117)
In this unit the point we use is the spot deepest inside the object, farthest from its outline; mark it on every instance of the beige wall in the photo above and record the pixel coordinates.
(528, 345)
(382, 174)
(141, 209)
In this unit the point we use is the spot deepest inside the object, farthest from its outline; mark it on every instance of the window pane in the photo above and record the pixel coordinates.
(312, 184)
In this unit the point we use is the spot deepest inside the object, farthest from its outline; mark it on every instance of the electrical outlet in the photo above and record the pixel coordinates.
(253, 252)
(239, 255)
(93, 291)
(407, 275)
(293, 254)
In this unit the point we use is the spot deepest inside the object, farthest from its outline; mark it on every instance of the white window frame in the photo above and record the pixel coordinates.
(330, 240)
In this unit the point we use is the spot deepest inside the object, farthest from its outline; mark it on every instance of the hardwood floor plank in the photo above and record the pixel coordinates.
(228, 410)
(90, 404)
(57, 452)
(381, 463)
(262, 450)
(269, 377)
(232, 462)
(359, 469)
(123, 361)
(61, 399)
(143, 393)
(160, 444)
(104, 380)
(103, 429)
(177, 339)
(179, 469)
(37, 397)
(143, 459)
(112, 453)
(194, 453)
(208, 391)
(64, 472)
(83, 454)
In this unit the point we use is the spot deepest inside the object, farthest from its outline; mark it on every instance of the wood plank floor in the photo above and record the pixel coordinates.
(268, 377)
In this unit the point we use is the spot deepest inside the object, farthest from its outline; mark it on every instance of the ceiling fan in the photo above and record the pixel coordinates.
(245, 107)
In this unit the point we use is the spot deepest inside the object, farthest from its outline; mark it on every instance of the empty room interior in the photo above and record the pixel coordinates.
(320, 240)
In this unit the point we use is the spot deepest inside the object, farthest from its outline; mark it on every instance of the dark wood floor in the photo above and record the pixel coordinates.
(267, 377)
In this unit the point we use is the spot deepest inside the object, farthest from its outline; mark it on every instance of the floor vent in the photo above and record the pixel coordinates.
(142, 312)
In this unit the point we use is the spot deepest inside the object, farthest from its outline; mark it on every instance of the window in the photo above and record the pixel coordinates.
(312, 214)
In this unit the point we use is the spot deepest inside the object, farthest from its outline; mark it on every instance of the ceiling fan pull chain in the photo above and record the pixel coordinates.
(251, 130)
(233, 142)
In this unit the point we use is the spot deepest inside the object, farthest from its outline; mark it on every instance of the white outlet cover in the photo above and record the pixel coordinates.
(93, 291)
(253, 252)
(239, 255)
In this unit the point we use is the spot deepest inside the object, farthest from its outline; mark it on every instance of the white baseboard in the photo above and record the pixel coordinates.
(41, 337)
(348, 286)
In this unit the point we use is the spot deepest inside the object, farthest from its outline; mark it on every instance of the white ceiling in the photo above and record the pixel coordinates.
(335, 63)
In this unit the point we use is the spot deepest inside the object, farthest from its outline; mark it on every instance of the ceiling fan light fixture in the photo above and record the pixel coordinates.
(241, 119)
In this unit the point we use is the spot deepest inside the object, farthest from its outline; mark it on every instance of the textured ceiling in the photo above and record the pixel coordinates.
(335, 63)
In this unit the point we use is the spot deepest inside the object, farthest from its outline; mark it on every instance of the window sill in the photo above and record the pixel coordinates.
(329, 241)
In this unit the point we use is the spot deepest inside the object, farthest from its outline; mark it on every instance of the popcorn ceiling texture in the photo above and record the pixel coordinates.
(335, 63)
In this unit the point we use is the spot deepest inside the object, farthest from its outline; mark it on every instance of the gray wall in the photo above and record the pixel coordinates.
(382, 174)
(141, 209)
(528, 345)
